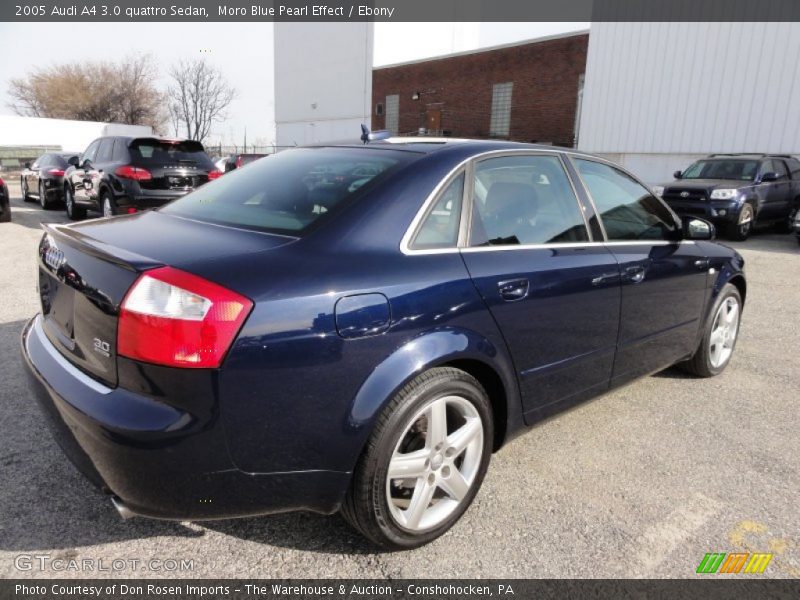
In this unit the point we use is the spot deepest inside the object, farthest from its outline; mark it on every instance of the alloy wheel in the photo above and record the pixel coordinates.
(68, 201)
(723, 332)
(745, 220)
(42, 196)
(434, 463)
(108, 210)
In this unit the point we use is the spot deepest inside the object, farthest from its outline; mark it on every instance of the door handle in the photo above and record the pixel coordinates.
(635, 274)
(605, 278)
(513, 289)
(702, 263)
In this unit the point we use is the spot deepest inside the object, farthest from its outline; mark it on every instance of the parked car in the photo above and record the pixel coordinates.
(263, 344)
(118, 175)
(737, 191)
(219, 163)
(44, 179)
(236, 161)
(5, 203)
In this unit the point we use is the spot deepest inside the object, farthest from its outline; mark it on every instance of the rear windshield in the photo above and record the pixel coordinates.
(158, 152)
(740, 170)
(290, 191)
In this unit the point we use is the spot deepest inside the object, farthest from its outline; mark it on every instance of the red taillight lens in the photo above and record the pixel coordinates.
(215, 174)
(137, 173)
(56, 172)
(132, 211)
(170, 317)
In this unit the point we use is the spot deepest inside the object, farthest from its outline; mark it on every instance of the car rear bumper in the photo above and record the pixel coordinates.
(161, 462)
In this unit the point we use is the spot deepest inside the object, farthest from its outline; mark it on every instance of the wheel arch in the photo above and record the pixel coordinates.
(458, 348)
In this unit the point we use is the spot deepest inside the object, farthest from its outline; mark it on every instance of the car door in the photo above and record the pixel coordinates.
(779, 192)
(80, 176)
(554, 294)
(664, 279)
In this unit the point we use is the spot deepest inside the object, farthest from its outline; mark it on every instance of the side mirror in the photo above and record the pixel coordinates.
(87, 164)
(677, 174)
(769, 176)
(695, 228)
(74, 161)
(28, 164)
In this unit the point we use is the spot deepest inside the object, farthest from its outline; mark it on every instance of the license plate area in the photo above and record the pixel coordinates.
(176, 182)
(58, 304)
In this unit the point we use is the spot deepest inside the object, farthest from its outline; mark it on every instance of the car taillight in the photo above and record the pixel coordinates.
(137, 173)
(215, 174)
(170, 317)
(57, 172)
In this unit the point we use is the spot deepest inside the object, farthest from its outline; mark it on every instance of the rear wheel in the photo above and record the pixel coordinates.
(719, 335)
(74, 212)
(743, 227)
(43, 201)
(109, 206)
(424, 462)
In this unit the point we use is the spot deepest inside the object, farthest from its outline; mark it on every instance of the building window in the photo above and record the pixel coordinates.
(500, 124)
(393, 113)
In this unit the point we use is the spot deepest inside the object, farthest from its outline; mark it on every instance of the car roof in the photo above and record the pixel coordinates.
(429, 145)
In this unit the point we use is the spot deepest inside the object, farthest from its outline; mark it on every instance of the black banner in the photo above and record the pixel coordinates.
(712, 588)
(400, 10)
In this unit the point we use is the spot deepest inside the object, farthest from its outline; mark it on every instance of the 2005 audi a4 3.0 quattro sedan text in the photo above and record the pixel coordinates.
(359, 327)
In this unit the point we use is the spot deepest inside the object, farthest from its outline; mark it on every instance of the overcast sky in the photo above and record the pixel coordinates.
(242, 50)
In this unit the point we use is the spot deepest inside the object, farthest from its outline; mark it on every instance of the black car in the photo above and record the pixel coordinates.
(737, 191)
(237, 161)
(122, 175)
(5, 206)
(44, 179)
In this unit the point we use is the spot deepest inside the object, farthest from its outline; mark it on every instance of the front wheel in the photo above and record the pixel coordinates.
(719, 335)
(23, 185)
(424, 462)
(743, 227)
(109, 206)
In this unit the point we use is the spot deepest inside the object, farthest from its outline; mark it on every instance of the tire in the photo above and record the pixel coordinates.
(706, 361)
(43, 201)
(74, 212)
(380, 507)
(5, 215)
(23, 186)
(743, 227)
(107, 204)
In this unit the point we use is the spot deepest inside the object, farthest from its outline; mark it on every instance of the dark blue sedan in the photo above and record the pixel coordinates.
(358, 328)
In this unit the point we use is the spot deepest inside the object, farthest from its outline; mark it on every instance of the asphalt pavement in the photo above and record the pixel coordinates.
(642, 482)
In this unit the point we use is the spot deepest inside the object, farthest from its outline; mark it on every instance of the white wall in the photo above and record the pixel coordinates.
(323, 81)
(72, 136)
(660, 93)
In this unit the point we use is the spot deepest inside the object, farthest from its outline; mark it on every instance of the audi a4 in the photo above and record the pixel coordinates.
(279, 340)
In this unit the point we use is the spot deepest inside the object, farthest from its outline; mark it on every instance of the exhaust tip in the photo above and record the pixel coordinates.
(124, 512)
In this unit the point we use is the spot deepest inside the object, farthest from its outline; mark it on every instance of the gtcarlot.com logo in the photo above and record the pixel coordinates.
(737, 562)
(46, 562)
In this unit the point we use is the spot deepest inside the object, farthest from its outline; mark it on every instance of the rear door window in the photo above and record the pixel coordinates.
(780, 169)
(153, 152)
(291, 191)
(524, 200)
(120, 152)
(104, 151)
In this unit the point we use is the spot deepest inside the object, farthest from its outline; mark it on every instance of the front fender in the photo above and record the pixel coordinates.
(428, 350)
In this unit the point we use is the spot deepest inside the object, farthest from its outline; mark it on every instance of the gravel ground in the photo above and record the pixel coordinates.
(639, 483)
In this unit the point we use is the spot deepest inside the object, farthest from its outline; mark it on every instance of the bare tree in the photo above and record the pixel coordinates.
(122, 92)
(198, 97)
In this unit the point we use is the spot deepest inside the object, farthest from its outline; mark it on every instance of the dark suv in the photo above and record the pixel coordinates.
(737, 191)
(119, 175)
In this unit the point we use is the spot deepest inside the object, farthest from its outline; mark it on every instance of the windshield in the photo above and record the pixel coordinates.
(289, 191)
(740, 170)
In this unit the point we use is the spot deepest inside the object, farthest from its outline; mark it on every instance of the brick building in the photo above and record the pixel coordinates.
(527, 91)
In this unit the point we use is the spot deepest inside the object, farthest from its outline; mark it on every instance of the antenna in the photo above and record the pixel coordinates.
(371, 136)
